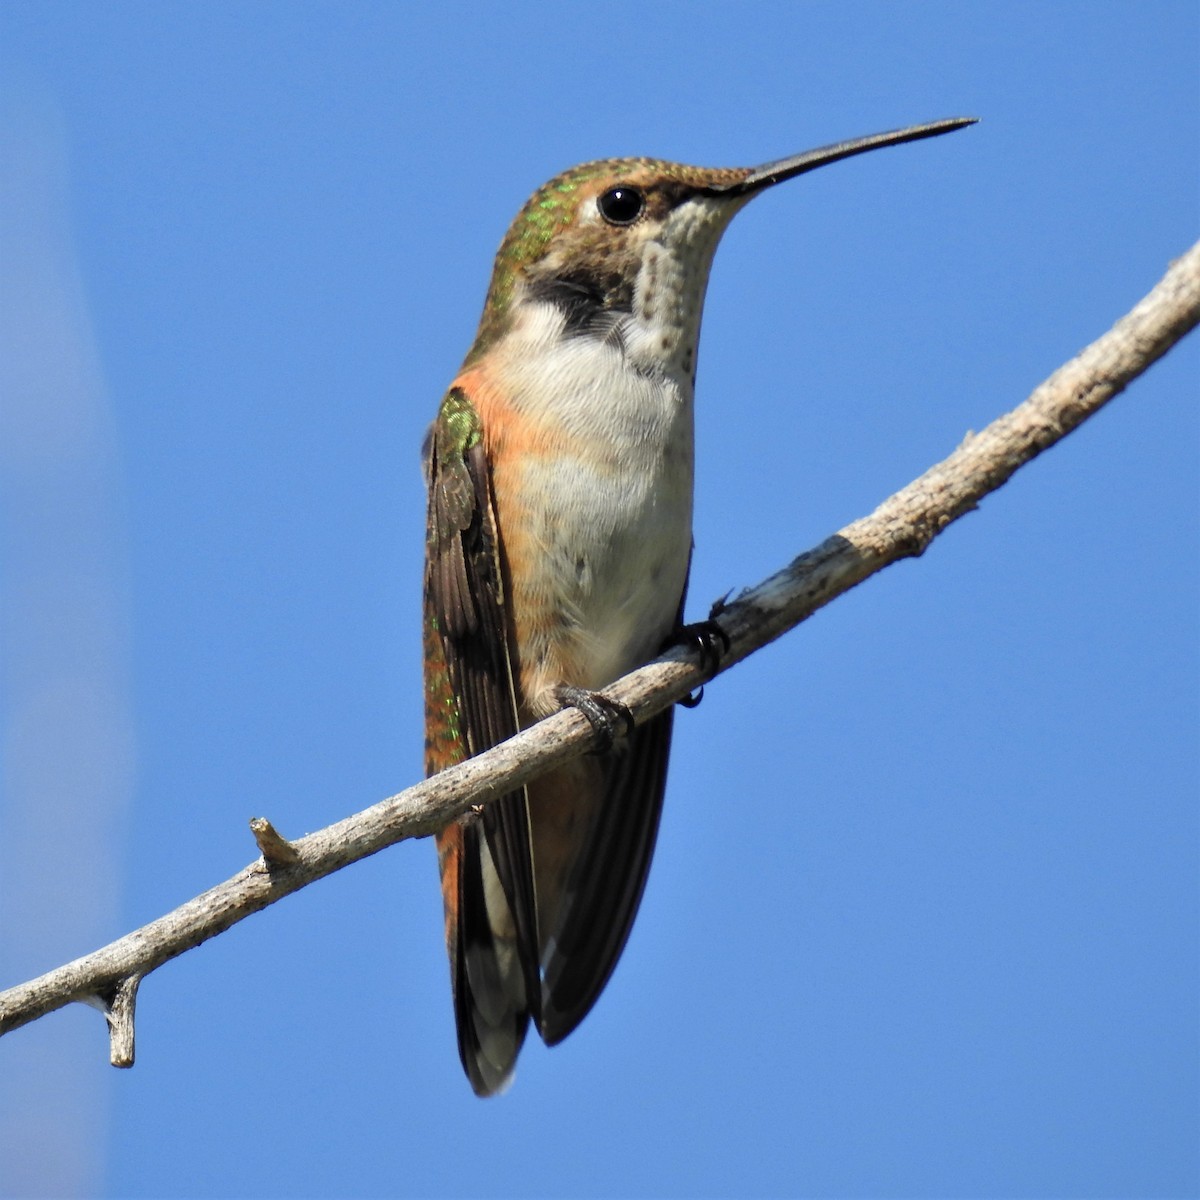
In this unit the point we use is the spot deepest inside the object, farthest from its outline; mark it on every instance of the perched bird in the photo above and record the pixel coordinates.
(559, 470)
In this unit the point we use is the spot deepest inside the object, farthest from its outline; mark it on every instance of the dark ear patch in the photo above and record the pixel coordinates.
(577, 297)
(589, 296)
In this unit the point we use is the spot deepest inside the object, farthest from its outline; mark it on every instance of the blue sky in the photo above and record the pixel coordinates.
(923, 919)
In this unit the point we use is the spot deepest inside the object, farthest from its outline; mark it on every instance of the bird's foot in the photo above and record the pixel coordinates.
(710, 640)
(607, 717)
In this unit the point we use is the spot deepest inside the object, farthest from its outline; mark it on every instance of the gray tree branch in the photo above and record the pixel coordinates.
(901, 527)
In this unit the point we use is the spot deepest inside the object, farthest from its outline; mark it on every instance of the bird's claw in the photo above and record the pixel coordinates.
(607, 717)
(709, 640)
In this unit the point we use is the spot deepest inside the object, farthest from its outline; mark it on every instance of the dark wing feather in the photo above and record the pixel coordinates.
(610, 877)
(471, 706)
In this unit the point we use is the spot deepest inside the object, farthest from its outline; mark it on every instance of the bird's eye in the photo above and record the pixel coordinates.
(621, 205)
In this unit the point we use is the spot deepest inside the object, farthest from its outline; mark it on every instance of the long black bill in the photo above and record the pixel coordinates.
(788, 168)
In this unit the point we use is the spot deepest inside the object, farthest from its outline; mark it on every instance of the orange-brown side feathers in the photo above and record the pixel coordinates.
(485, 863)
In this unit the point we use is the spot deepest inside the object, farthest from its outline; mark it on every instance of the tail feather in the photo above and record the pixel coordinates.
(487, 974)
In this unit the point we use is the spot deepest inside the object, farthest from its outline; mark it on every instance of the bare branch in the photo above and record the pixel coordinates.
(900, 528)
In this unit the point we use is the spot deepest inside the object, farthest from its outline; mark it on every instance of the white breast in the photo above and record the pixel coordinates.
(609, 507)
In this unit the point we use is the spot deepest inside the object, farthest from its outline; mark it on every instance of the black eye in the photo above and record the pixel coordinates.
(621, 205)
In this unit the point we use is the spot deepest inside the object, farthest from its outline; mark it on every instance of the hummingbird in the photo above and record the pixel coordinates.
(559, 472)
